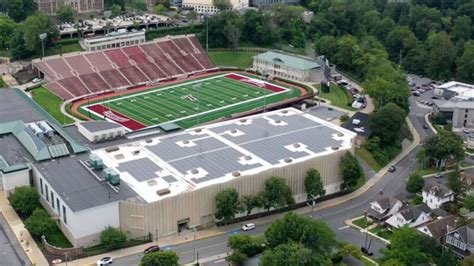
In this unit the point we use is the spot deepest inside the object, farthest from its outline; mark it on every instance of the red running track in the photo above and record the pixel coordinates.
(253, 82)
(116, 117)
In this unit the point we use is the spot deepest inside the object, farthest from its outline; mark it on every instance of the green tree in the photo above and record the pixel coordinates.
(222, 4)
(138, 5)
(469, 202)
(277, 192)
(289, 254)
(415, 183)
(35, 25)
(314, 234)
(18, 46)
(246, 244)
(112, 236)
(462, 28)
(387, 124)
(399, 41)
(443, 146)
(25, 200)
(227, 204)
(18, 10)
(39, 223)
(454, 182)
(468, 261)
(116, 10)
(192, 16)
(165, 3)
(313, 185)
(465, 64)
(66, 13)
(441, 56)
(159, 9)
(236, 258)
(248, 203)
(7, 29)
(350, 171)
(160, 258)
(233, 31)
(406, 247)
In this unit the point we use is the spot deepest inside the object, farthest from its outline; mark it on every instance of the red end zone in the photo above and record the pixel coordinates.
(254, 82)
(116, 117)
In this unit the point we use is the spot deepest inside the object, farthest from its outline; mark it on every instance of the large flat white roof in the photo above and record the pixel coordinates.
(169, 165)
(463, 91)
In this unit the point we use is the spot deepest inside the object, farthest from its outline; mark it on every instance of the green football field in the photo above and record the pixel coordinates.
(213, 97)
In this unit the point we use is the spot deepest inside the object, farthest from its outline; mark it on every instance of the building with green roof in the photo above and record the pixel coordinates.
(288, 66)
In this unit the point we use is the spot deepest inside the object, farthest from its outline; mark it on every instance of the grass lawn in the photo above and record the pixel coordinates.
(416, 200)
(5, 53)
(367, 262)
(66, 48)
(362, 222)
(426, 171)
(51, 104)
(367, 157)
(382, 232)
(465, 164)
(57, 238)
(338, 96)
(2, 83)
(232, 58)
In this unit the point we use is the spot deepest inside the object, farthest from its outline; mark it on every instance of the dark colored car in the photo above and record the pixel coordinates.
(425, 126)
(151, 249)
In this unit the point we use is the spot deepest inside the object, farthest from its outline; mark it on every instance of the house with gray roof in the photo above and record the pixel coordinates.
(383, 208)
(435, 193)
(288, 66)
(461, 240)
(411, 216)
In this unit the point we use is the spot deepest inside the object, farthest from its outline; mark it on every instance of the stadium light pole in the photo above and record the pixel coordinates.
(207, 33)
(42, 36)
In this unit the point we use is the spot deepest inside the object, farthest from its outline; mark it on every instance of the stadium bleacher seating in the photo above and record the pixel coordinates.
(95, 72)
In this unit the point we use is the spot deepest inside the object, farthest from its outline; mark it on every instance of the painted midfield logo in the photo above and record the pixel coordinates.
(109, 114)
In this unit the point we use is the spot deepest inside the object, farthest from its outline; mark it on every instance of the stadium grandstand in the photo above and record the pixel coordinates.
(76, 75)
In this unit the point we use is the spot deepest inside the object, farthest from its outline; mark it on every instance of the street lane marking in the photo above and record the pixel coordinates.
(344, 227)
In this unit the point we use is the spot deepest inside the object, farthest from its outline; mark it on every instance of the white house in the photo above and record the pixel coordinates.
(438, 228)
(436, 194)
(383, 208)
(461, 240)
(411, 216)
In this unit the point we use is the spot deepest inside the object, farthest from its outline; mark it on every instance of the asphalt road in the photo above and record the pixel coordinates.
(11, 252)
(214, 249)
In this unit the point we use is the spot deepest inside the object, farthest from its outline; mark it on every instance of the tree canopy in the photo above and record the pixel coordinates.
(227, 204)
(313, 185)
(415, 183)
(277, 193)
(66, 13)
(112, 236)
(442, 146)
(39, 223)
(160, 258)
(387, 124)
(35, 25)
(25, 200)
(350, 171)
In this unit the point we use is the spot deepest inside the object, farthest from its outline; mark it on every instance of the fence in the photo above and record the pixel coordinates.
(99, 249)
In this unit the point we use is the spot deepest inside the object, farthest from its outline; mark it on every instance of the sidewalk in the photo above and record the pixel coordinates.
(16, 224)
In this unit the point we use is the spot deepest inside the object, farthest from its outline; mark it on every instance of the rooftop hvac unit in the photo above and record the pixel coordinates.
(36, 130)
(112, 176)
(96, 162)
(46, 128)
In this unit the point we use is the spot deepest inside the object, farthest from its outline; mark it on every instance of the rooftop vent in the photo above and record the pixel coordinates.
(248, 157)
(236, 173)
(152, 182)
(284, 111)
(340, 134)
(288, 160)
(277, 121)
(162, 192)
(296, 145)
(194, 171)
(148, 140)
(112, 149)
(186, 141)
(233, 131)
(243, 120)
(197, 130)
(335, 147)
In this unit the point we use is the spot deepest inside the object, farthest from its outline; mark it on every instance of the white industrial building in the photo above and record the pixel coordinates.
(95, 131)
(207, 6)
(288, 66)
(456, 103)
(113, 40)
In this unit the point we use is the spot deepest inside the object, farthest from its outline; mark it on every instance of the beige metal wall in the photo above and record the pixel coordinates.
(138, 219)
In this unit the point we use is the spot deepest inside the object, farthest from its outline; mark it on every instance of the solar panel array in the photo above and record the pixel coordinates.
(58, 150)
(141, 169)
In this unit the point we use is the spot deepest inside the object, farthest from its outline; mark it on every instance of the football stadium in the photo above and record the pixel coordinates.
(239, 128)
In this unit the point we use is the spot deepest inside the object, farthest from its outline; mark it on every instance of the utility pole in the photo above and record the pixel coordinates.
(194, 244)
(207, 33)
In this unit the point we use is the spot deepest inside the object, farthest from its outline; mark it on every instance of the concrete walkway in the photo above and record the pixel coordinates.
(16, 224)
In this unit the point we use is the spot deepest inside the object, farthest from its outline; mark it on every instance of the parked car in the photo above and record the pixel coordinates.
(36, 80)
(466, 131)
(104, 261)
(438, 175)
(248, 227)
(425, 126)
(434, 97)
(416, 94)
(392, 169)
(151, 249)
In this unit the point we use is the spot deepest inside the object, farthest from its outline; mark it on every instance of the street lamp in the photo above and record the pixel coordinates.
(197, 87)
(194, 244)
(42, 36)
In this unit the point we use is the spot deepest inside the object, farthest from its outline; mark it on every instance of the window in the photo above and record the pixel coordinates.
(64, 215)
(58, 207)
(52, 199)
(46, 191)
(41, 186)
